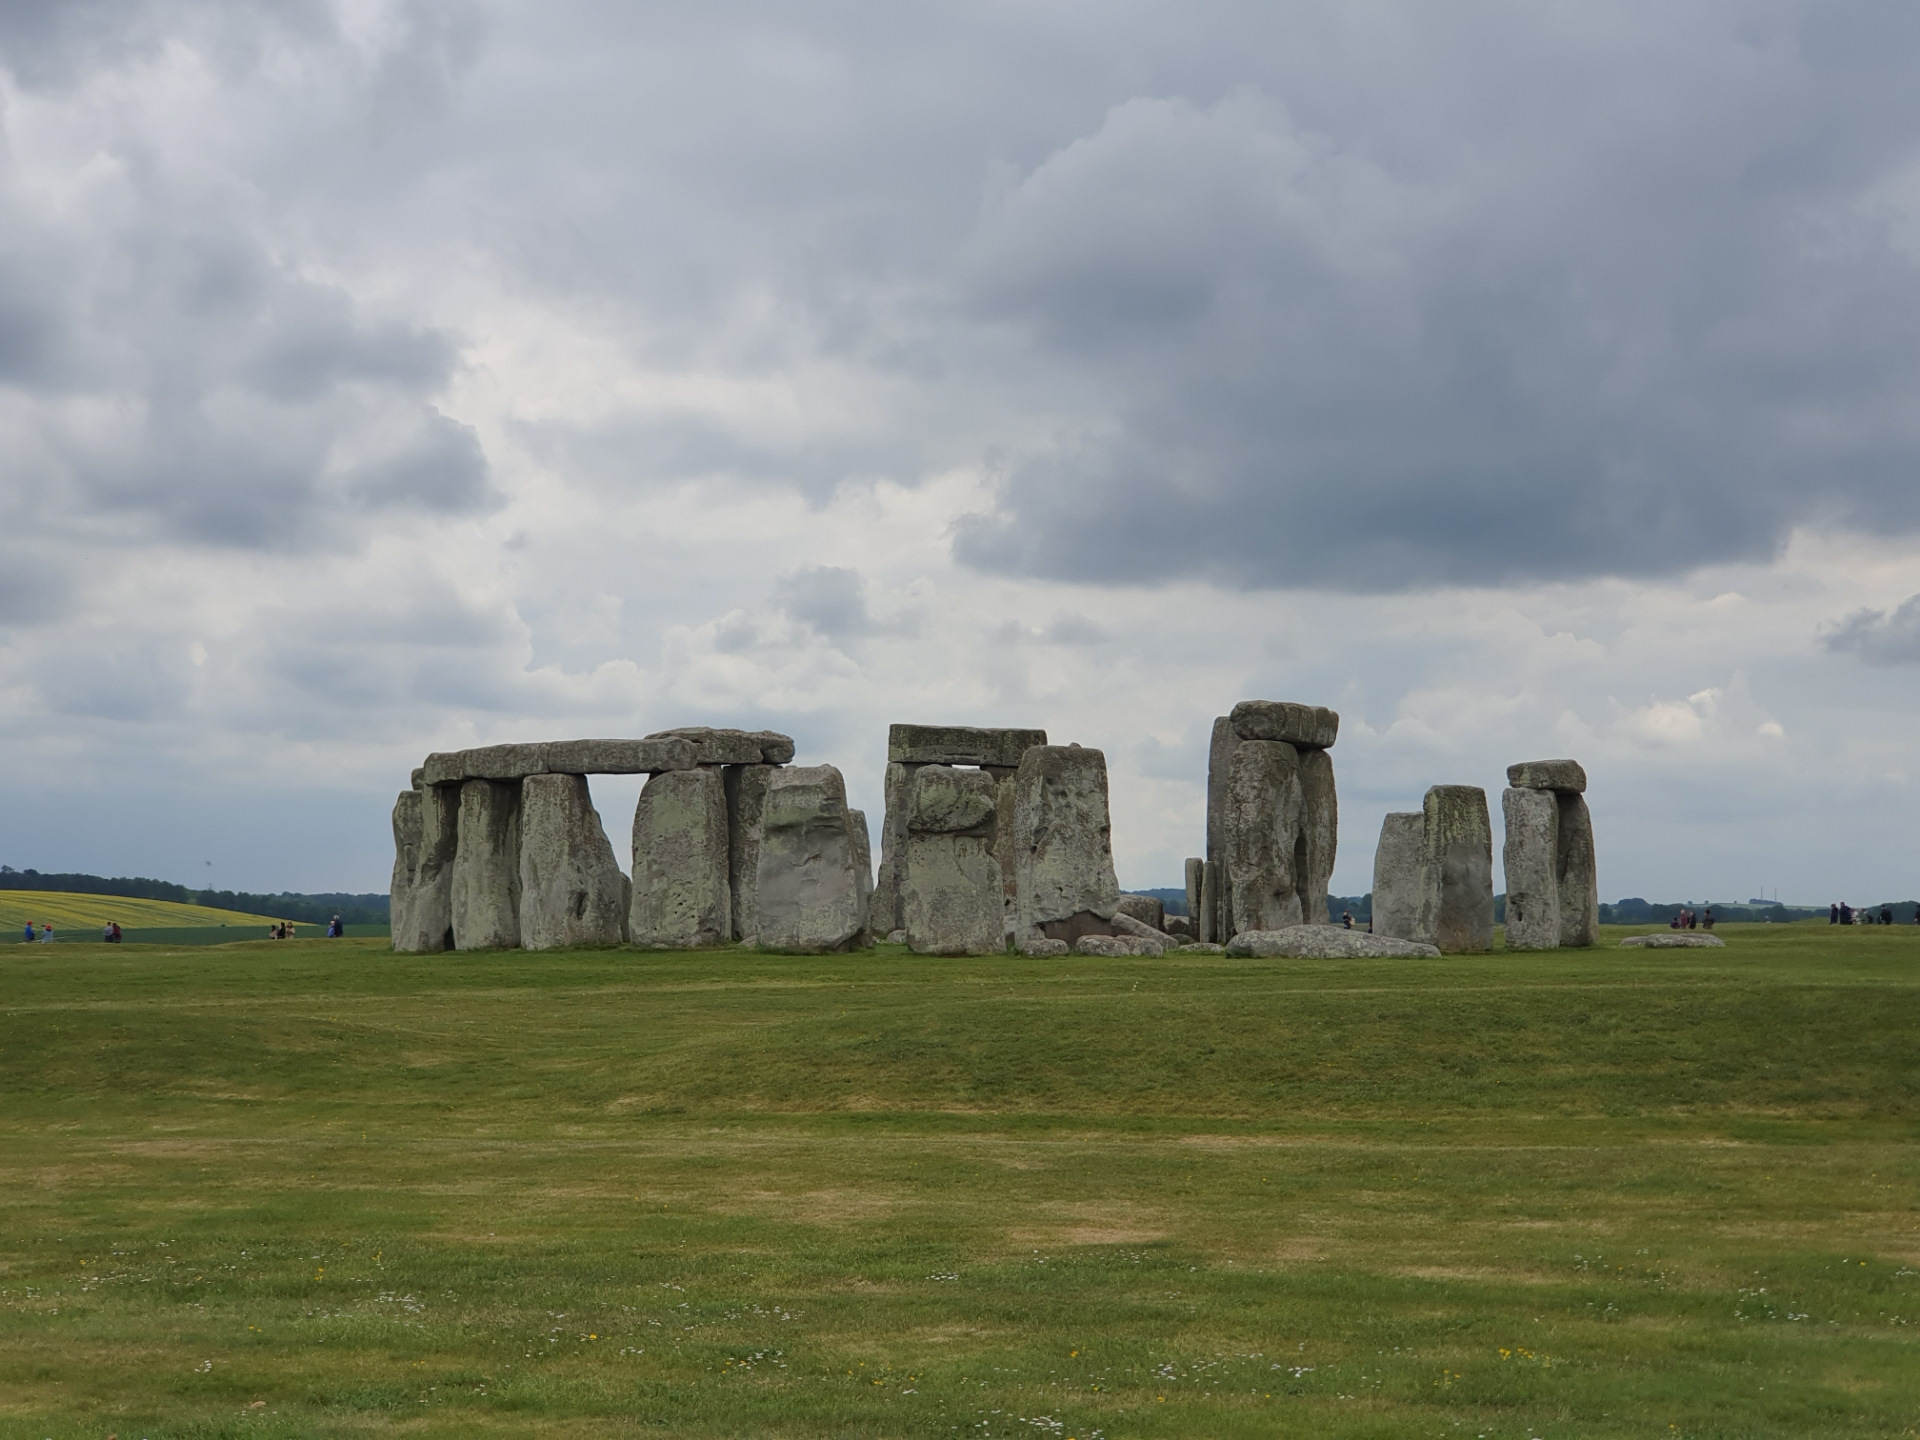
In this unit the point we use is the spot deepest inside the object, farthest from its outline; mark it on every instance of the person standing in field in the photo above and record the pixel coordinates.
(27, 939)
(1833, 913)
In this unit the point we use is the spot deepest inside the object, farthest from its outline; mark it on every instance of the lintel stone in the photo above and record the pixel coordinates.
(959, 745)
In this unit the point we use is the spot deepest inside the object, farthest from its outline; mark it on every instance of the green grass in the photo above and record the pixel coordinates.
(76, 916)
(315, 1188)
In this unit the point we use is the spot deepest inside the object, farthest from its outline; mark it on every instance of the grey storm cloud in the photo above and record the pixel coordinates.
(1880, 637)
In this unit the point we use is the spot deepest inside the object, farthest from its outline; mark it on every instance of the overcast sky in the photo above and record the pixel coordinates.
(1521, 380)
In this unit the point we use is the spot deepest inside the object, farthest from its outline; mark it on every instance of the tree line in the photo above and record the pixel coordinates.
(304, 909)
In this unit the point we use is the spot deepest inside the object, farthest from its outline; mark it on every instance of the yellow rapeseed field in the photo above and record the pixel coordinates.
(91, 912)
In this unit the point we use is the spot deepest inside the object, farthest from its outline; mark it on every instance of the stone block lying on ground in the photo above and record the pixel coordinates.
(811, 897)
(486, 866)
(1181, 927)
(732, 747)
(1200, 947)
(1306, 727)
(1321, 942)
(571, 888)
(1566, 775)
(1062, 840)
(959, 745)
(1672, 940)
(1149, 910)
(682, 898)
(953, 895)
(1125, 924)
(1043, 947)
(1115, 945)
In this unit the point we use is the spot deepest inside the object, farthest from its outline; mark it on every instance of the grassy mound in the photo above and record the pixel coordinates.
(90, 914)
(321, 1189)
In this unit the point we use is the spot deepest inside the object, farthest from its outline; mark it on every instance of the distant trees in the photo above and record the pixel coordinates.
(306, 909)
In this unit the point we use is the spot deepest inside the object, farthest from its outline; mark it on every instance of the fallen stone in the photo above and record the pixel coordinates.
(1263, 829)
(810, 895)
(486, 867)
(1321, 942)
(732, 747)
(1180, 927)
(1456, 876)
(1672, 940)
(1043, 946)
(959, 745)
(1319, 836)
(1149, 910)
(746, 791)
(571, 888)
(1125, 924)
(1579, 878)
(1117, 945)
(1062, 844)
(1567, 775)
(1529, 858)
(1200, 947)
(1396, 875)
(1305, 727)
(952, 888)
(619, 757)
(681, 896)
(896, 937)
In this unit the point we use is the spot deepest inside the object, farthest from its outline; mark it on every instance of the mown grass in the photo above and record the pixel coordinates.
(87, 915)
(314, 1188)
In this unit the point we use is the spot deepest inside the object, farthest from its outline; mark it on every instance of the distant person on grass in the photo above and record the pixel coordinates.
(1709, 919)
(1886, 915)
(1833, 913)
(27, 939)
(46, 934)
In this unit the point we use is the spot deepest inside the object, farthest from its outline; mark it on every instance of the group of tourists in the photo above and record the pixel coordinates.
(1687, 920)
(1841, 913)
(44, 937)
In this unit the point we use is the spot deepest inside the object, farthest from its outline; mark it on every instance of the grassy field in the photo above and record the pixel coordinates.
(318, 1189)
(90, 913)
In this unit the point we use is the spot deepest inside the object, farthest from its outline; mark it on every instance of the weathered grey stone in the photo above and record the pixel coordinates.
(681, 896)
(810, 894)
(1116, 945)
(504, 762)
(1319, 835)
(406, 865)
(1216, 918)
(1565, 775)
(419, 776)
(1321, 942)
(862, 843)
(571, 888)
(1263, 831)
(619, 757)
(1196, 887)
(1209, 919)
(896, 937)
(1456, 877)
(959, 745)
(1579, 879)
(486, 866)
(952, 892)
(1180, 927)
(1673, 940)
(889, 893)
(1200, 947)
(1125, 924)
(1529, 857)
(444, 767)
(746, 791)
(1396, 875)
(1149, 910)
(1063, 844)
(1043, 946)
(1005, 793)
(426, 926)
(732, 747)
(1305, 727)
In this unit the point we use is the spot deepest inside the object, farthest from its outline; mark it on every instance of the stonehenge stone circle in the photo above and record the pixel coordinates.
(1149, 910)
(422, 906)
(407, 827)
(1321, 942)
(1396, 875)
(1064, 885)
(1456, 872)
(682, 899)
(952, 891)
(810, 894)
(1273, 824)
(1553, 898)
(486, 867)
(571, 888)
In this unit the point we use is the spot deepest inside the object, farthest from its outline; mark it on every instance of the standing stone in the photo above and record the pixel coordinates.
(952, 891)
(1063, 845)
(1456, 882)
(863, 861)
(1319, 834)
(811, 897)
(1217, 925)
(571, 888)
(1208, 925)
(406, 864)
(1530, 857)
(1396, 875)
(1196, 885)
(486, 866)
(426, 927)
(681, 897)
(889, 899)
(746, 791)
(1263, 831)
(1579, 882)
